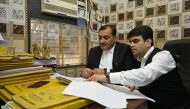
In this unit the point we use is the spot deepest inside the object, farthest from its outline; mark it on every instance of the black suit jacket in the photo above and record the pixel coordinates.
(123, 58)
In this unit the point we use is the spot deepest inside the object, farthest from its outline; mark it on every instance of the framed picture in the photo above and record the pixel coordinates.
(175, 7)
(120, 27)
(113, 17)
(130, 25)
(150, 3)
(106, 19)
(150, 22)
(95, 26)
(17, 15)
(161, 9)
(186, 32)
(3, 28)
(174, 33)
(129, 15)
(121, 37)
(161, 1)
(139, 23)
(4, 13)
(149, 12)
(18, 29)
(186, 19)
(186, 5)
(161, 34)
(174, 20)
(139, 13)
(94, 36)
(130, 5)
(107, 9)
(121, 16)
(121, 6)
(17, 2)
(139, 3)
(113, 8)
(162, 22)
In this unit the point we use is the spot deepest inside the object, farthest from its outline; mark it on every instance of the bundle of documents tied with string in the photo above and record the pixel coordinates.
(108, 95)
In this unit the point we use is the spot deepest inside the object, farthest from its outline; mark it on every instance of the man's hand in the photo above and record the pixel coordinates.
(98, 77)
(86, 72)
(99, 71)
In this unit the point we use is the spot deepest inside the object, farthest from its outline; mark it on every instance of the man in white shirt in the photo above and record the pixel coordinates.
(157, 76)
(110, 54)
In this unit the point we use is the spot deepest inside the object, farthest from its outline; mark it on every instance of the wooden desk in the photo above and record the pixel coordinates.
(132, 104)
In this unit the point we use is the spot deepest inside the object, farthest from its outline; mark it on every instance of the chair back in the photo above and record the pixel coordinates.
(180, 49)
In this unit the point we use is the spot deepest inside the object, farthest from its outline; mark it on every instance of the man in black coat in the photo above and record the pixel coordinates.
(110, 54)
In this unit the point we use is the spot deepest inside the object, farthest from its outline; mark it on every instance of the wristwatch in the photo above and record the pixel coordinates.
(107, 76)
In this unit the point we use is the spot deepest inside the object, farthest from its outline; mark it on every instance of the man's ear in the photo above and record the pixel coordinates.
(148, 43)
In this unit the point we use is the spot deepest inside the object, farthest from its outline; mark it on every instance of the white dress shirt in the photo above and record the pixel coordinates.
(106, 59)
(162, 63)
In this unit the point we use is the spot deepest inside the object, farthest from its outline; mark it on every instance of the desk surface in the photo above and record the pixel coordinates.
(132, 104)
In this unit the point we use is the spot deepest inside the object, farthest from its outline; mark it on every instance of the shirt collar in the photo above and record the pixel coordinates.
(110, 50)
(147, 54)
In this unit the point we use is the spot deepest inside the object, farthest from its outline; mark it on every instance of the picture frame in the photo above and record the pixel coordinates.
(161, 10)
(174, 20)
(94, 37)
(120, 27)
(186, 19)
(129, 15)
(161, 1)
(149, 12)
(113, 8)
(121, 6)
(121, 37)
(174, 33)
(161, 34)
(130, 5)
(129, 25)
(106, 19)
(175, 7)
(139, 3)
(186, 32)
(138, 23)
(121, 16)
(150, 22)
(18, 29)
(95, 27)
(162, 22)
(139, 13)
(186, 5)
(3, 27)
(149, 3)
(113, 17)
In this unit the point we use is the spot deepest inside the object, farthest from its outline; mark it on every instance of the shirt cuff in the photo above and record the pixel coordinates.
(115, 78)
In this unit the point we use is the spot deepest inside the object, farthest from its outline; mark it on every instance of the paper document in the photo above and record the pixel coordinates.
(104, 93)
(97, 92)
(130, 95)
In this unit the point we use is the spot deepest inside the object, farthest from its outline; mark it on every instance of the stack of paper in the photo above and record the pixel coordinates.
(23, 74)
(8, 61)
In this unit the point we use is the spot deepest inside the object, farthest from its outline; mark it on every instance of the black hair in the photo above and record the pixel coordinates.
(114, 31)
(145, 31)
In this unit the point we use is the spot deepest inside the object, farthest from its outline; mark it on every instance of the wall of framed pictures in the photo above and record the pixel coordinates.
(170, 19)
(12, 23)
